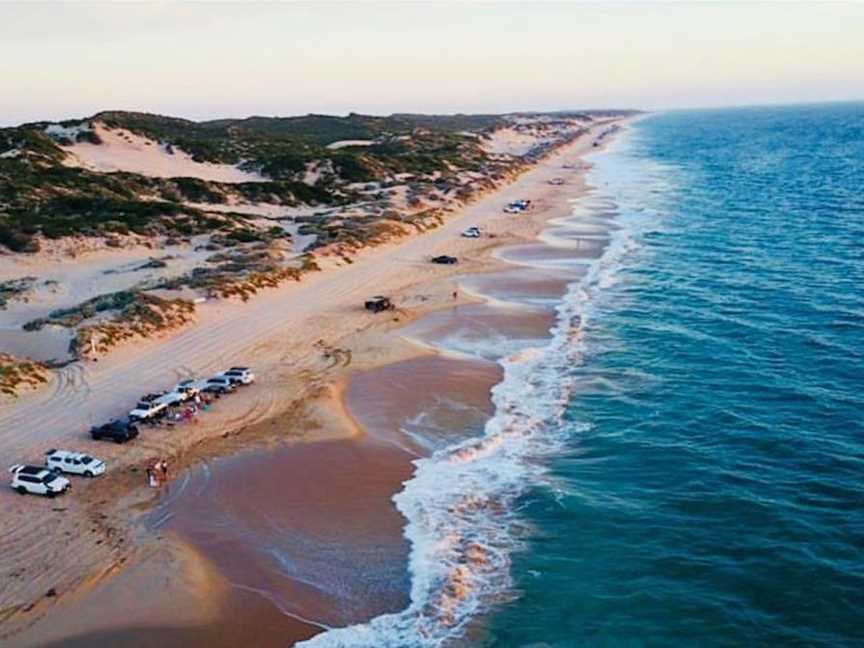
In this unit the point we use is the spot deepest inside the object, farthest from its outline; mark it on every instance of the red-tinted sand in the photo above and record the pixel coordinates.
(422, 403)
(309, 531)
(487, 331)
(523, 285)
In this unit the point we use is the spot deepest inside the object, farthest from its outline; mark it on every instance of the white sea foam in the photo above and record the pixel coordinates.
(459, 503)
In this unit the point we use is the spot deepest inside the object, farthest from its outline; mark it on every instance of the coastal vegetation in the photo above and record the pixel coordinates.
(17, 374)
(142, 316)
(43, 195)
(15, 289)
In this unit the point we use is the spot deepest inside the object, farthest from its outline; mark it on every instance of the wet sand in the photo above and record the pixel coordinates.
(485, 330)
(299, 537)
(522, 285)
(304, 531)
(544, 256)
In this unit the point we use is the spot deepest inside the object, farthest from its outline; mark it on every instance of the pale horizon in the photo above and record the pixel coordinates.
(204, 61)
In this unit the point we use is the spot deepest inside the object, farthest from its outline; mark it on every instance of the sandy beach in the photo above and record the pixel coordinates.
(324, 398)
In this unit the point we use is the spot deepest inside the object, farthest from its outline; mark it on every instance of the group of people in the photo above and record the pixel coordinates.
(157, 469)
(187, 412)
(157, 472)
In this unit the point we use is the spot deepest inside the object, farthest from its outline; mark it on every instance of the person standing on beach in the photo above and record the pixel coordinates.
(152, 479)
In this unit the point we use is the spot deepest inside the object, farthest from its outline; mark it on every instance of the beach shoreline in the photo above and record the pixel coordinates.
(316, 408)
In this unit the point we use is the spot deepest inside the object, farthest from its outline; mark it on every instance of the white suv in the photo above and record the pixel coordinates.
(38, 480)
(76, 463)
(238, 375)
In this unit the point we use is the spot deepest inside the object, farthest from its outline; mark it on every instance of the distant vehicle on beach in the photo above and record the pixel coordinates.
(219, 385)
(75, 463)
(517, 206)
(238, 375)
(471, 232)
(379, 304)
(445, 260)
(38, 480)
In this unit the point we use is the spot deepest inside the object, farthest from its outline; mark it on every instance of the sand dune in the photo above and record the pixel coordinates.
(122, 150)
(509, 141)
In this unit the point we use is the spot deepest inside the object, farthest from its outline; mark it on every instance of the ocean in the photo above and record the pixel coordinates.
(680, 462)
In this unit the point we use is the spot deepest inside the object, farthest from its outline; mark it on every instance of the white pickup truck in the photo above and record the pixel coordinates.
(75, 463)
(147, 410)
(153, 405)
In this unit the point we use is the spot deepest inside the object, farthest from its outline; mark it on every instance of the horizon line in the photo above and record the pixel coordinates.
(454, 113)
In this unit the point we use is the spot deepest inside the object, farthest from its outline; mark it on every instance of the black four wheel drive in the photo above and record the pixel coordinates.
(445, 259)
(379, 304)
(118, 431)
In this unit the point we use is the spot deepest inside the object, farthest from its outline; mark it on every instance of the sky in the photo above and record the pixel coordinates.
(201, 60)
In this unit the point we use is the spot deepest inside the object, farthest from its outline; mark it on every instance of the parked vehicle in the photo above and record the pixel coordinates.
(75, 463)
(148, 410)
(379, 304)
(118, 431)
(219, 385)
(38, 480)
(472, 232)
(239, 375)
(170, 399)
(517, 206)
(188, 389)
(445, 259)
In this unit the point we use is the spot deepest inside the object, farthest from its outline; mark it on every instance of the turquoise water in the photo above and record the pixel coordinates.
(709, 492)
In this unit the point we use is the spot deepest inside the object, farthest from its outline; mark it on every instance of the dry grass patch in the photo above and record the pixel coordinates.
(17, 374)
(147, 315)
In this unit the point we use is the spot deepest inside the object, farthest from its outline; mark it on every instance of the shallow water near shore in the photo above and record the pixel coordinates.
(708, 491)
